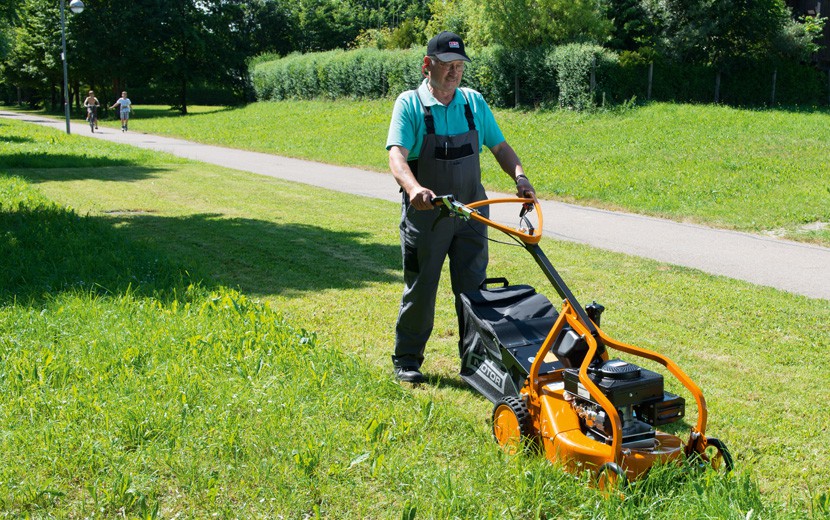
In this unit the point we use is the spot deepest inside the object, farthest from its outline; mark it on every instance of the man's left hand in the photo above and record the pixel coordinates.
(524, 188)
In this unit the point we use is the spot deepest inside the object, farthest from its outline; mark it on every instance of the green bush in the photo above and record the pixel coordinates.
(574, 65)
(359, 73)
(535, 77)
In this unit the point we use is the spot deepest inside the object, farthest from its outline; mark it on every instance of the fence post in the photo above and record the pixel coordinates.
(650, 77)
(593, 73)
(516, 89)
(717, 86)
(774, 79)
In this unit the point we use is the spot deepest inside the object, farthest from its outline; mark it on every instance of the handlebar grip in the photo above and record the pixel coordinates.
(439, 199)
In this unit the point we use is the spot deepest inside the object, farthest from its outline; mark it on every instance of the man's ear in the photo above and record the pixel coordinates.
(425, 66)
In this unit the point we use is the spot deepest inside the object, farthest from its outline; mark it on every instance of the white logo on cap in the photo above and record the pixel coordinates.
(453, 45)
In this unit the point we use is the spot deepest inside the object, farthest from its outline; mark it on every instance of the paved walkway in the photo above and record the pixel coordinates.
(791, 266)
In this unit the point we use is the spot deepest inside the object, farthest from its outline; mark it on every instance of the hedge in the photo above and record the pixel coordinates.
(575, 75)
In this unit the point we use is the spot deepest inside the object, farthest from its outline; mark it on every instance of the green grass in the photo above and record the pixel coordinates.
(180, 339)
(761, 171)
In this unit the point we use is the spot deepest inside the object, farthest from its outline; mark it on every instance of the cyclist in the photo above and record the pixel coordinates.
(91, 103)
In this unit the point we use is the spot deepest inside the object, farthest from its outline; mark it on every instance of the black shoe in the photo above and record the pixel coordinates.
(408, 375)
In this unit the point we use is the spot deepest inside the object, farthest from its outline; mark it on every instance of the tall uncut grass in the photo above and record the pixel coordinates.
(180, 340)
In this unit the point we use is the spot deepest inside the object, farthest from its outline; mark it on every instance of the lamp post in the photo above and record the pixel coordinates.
(76, 6)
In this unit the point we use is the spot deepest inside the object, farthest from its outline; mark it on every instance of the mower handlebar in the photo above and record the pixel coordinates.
(527, 234)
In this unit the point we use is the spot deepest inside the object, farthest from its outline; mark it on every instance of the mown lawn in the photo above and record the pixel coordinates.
(762, 171)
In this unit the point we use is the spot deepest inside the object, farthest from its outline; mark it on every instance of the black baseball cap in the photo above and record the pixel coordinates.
(447, 46)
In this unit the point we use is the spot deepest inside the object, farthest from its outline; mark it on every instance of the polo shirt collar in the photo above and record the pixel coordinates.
(429, 100)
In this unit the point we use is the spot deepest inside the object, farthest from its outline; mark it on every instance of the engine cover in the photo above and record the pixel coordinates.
(622, 383)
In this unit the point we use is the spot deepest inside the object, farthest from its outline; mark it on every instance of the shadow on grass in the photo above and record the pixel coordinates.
(261, 257)
(440, 381)
(16, 139)
(41, 160)
(47, 250)
(141, 112)
(155, 112)
(113, 170)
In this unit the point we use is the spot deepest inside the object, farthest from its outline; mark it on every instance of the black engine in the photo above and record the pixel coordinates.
(635, 392)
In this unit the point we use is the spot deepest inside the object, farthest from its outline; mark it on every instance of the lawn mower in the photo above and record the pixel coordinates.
(552, 381)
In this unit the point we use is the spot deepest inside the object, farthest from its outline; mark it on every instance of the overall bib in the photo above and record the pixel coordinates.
(446, 165)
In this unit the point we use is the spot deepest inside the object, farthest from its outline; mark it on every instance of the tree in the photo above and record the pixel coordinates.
(632, 25)
(267, 26)
(117, 39)
(326, 24)
(523, 24)
(720, 33)
(714, 32)
(8, 10)
(34, 59)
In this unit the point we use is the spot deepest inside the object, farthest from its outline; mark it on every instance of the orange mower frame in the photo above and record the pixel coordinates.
(544, 410)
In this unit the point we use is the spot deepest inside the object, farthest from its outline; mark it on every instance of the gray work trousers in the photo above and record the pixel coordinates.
(424, 250)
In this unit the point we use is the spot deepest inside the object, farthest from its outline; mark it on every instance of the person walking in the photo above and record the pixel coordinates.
(434, 142)
(91, 103)
(126, 106)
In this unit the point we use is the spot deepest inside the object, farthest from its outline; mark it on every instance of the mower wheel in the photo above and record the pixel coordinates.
(723, 453)
(511, 423)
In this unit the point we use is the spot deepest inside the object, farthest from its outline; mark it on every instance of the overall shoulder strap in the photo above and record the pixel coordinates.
(468, 112)
(429, 121)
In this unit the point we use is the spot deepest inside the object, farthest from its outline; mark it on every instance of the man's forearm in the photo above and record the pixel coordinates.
(400, 168)
(508, 160)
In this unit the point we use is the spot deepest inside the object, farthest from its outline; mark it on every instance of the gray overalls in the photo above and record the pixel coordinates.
(446, 165)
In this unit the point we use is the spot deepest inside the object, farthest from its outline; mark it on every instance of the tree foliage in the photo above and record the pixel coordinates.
(34, 59)
(165, 50)
(716, 32)
(526, 24)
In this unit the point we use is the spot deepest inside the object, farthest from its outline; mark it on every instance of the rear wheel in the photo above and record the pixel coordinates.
(511, 423)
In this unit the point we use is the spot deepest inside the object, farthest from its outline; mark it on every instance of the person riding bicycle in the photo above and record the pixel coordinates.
(91, 103)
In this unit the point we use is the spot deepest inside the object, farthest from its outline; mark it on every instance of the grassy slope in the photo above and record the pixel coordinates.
(757, 171)
(744, 345)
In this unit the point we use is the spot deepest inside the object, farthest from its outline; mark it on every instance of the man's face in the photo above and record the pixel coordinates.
(446, 75)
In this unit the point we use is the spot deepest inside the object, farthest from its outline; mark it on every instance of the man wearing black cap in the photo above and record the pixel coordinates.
(435, 137)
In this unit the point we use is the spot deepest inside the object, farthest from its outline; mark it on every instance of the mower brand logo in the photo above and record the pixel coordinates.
(488, 371)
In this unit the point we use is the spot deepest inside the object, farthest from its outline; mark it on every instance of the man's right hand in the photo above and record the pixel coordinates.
(420, 198)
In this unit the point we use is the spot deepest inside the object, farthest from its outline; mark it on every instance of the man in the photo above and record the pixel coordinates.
(434, 141)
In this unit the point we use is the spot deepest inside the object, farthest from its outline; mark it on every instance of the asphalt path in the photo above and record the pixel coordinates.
(794, 267)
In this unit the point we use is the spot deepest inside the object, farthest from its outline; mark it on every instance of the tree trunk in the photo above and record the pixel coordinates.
(650, 77)
(77, 87)
(183, 94)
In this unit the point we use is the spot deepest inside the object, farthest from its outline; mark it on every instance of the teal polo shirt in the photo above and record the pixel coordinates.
(407, 127)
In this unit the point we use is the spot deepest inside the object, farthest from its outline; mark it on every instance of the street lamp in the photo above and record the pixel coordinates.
(76, 6)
